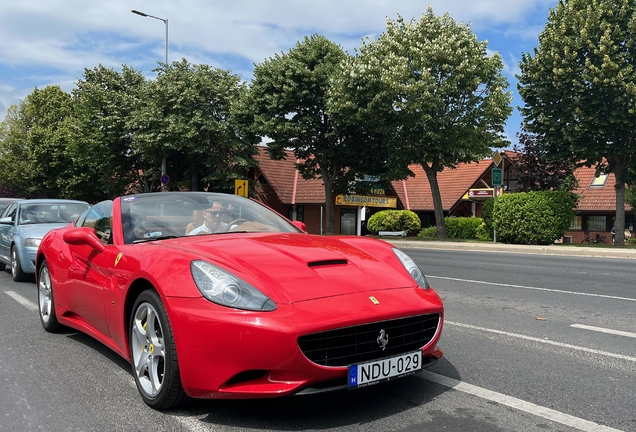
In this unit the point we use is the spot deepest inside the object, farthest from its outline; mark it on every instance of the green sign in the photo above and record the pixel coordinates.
(496, 176)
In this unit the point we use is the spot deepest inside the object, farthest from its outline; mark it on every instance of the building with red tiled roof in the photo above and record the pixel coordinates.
(463, 191)
(596, 208)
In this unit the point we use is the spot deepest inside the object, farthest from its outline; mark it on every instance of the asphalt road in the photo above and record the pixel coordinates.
(531, 343)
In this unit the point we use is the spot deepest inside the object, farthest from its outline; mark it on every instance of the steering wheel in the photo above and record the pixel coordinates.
(233, 223)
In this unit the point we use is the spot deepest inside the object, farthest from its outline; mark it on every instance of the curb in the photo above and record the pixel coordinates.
(593, 252)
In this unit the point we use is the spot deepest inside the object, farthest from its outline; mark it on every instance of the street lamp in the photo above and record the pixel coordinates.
(164, 163)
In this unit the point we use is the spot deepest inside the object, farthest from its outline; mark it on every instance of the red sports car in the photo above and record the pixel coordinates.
(217, 296)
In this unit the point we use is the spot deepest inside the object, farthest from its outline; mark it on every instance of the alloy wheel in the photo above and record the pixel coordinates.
(148, 349)
(44, 292)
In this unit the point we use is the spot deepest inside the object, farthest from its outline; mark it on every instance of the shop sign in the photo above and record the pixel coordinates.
(364, 200)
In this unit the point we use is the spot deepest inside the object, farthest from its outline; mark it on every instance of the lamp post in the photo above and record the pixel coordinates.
(164, 163)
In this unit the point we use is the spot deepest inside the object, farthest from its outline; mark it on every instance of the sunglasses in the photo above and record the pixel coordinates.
(212, 212)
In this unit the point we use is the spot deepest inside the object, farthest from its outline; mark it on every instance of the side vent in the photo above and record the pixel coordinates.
(328, 263)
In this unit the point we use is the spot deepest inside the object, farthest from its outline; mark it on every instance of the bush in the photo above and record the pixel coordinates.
(486, 214)
(394, 220)
(538, 217)
(462, 227)
(428, 232)
(483, 233)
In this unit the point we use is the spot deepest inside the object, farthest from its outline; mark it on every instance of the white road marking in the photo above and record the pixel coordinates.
(604, 330)
(23, 301)
(535, 288)
(543, 341)
(528, 407)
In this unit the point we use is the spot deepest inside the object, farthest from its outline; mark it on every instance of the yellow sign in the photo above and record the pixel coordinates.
(496, 158)
(363, 200)
(240, 188)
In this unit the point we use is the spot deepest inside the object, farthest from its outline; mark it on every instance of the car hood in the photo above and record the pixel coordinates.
(299, 267)
(39, 230)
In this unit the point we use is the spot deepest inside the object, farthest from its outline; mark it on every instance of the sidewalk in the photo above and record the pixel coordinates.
(590, 251)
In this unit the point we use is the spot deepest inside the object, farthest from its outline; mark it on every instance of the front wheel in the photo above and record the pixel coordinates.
(16, 268)
(45, 300)
(153, 353)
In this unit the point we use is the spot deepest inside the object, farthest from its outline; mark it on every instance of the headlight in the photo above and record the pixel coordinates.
(412, 268)
(222, 287)
(33, 242)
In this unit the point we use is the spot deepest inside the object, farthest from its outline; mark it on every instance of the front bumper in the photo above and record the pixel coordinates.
(225, 353)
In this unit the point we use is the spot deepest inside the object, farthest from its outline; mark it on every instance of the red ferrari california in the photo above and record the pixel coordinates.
(212, 295)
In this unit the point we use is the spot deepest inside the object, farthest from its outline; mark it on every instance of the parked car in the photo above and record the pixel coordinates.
(23, 224)
(249, 307)
(4, 202)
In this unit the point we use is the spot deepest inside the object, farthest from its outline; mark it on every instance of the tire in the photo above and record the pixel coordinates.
(16, 268)
(46, 304)
(153, 354)
(2, 266)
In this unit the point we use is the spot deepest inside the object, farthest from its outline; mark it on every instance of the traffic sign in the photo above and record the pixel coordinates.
(165, 179)
(496, 176)
(496, 158)
(240, 188)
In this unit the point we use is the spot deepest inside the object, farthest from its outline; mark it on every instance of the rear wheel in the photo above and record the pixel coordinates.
(45, 300)
(153, 353)
(16, 268)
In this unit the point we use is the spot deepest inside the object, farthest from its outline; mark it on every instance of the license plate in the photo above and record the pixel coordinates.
(365, 374)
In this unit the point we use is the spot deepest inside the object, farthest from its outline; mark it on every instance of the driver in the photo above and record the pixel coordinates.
(213, 220)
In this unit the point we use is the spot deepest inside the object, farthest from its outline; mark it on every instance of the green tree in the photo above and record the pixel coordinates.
(104, 164)
(536, 171)
(579, 87)
(35, 137)
(287, 103)
(184, 115)
(432, 92)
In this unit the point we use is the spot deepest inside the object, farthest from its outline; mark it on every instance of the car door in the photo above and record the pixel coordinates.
(87, 270)
(6, 233)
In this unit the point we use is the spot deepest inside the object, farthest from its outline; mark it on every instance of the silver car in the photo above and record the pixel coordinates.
(23, 224)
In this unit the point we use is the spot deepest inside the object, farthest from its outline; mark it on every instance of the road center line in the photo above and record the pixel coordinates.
(534, 288)
(23, 301)
(604, 330)
(543, 341)
(528, 407)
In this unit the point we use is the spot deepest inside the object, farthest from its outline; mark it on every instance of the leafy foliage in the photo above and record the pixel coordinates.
(533, 217)
(462, 227)
(287, 103)
(185, 116)
(394, 220)
(35, 135)
(579, 87)
(536, 170)
(431, 90)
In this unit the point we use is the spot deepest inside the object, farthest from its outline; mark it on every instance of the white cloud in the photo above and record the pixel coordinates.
(52, 41)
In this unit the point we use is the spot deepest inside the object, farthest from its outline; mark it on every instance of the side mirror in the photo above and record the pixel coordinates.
(83, 236)
(300, 225)
(6, 221)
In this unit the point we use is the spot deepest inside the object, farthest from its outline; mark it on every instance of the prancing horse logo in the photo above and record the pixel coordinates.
(383, 339)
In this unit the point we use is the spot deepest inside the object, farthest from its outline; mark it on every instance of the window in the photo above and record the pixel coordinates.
(597, 223)
(300, 213)
(577, 222)
(10, 212)
(99, 217)
(599, 180)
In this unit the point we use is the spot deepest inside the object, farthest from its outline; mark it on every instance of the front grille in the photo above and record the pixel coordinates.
(359, 344)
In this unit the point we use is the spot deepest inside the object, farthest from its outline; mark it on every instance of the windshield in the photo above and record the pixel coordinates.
(179, 214)
(50, 213)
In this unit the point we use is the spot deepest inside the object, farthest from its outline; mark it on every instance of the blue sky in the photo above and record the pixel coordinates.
(51, 42)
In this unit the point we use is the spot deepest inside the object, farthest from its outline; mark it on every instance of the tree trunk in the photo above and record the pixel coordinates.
(431, 174)
(618, 167)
